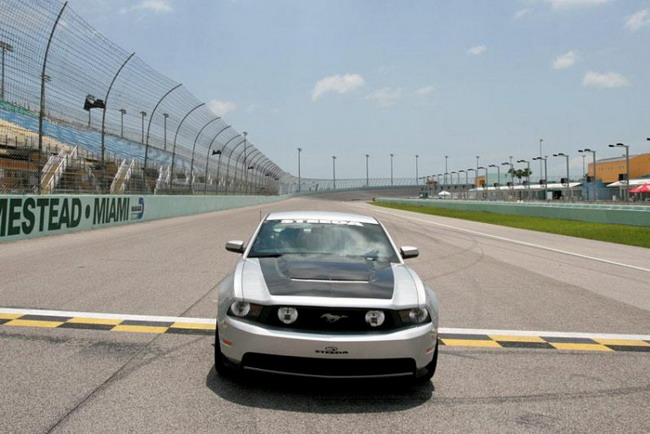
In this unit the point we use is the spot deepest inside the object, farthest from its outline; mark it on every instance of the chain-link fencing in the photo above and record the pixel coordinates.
(80, 114)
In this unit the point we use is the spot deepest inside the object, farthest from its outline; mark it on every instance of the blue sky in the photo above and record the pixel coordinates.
(429, 77)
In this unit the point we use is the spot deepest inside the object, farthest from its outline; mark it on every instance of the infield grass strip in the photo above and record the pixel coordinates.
(621, 234)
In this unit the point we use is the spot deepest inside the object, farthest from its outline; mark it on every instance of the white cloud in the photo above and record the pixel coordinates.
(565, 4)
(638, 20)
(426, 90)
(476, 50)
(521, 13)
(156, 6)
(386, 96)
(604, 80)
(221, 108)
(337, 83)
(566, 60)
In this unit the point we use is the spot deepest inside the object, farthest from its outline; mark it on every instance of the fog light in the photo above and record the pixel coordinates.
(288, 315)
(240, 308)
(375, 318)
(418, 315)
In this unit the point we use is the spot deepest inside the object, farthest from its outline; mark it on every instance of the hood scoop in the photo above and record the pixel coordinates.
(331, 271)
(318, 278)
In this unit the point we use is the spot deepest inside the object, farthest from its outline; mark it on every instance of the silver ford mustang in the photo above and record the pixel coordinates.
(321, 294)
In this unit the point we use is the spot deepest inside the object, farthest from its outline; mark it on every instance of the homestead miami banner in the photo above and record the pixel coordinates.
(31, 216)
(35, 216)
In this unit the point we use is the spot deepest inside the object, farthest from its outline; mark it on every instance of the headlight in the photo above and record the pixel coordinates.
(288, 315)
(417, 315)
(240, 308)
(375, 318)
(243, 309)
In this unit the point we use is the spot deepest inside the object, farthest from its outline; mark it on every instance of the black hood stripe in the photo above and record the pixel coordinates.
(354, 278)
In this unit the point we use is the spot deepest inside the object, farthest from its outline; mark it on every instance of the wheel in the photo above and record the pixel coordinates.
(220, 364)
(430, 369)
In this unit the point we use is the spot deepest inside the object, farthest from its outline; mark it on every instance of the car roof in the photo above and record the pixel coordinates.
(321, 215)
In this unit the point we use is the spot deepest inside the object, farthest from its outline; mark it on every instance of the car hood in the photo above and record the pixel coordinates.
(264, 279)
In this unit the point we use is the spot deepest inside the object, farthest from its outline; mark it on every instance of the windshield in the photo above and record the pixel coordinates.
(323, 237)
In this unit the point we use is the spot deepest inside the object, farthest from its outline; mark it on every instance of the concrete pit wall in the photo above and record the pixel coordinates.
(632, 215)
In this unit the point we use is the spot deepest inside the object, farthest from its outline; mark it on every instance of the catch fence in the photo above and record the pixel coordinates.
(80, 114)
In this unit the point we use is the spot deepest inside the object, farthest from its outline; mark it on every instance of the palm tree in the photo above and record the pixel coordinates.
(520, 173)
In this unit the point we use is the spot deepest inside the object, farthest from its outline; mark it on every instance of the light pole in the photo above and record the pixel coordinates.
(545, 174)
(477, 158)
(334, 172)
(165, 116)
(5, 47)
(568, 187)
(367, 177)
(486, 180)
(627, 167)
(299, 179)
(451, 179)
(391, 169)
(512, 176)
(498, 183)
(466, 180)
(593, 180)
(467, 174)
(446, 170)
(416, 169)
(527, 175)
(122, 113)
(540, 155)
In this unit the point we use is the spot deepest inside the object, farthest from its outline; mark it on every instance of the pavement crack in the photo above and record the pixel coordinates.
(125, 370)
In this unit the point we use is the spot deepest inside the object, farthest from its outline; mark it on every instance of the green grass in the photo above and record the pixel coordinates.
(630, 235)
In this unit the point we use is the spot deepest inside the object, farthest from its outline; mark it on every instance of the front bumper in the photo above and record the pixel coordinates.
(360, 355)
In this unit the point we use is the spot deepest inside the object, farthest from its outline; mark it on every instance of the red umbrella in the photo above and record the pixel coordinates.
(645, 188)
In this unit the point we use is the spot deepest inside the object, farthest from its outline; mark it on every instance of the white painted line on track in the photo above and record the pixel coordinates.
(443, 330)
(522, 243)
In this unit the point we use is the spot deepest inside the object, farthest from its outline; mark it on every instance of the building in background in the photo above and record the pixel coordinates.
(613, 169)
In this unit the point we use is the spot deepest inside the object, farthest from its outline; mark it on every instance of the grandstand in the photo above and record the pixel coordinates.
(143, 133)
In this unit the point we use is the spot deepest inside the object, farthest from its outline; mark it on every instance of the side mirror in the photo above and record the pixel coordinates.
(409, 252)
(236, 246)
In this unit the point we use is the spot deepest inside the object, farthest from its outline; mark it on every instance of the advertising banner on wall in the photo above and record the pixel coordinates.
(34, 216)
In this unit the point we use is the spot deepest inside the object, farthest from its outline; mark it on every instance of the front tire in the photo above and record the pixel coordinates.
(430, 369)
(220, 364)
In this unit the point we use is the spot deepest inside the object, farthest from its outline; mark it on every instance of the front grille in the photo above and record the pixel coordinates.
(332, 368)
(330, 319)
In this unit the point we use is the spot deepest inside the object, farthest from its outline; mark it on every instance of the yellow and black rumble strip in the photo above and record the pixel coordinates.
(107, 324)
(207, 328)
(544, 342)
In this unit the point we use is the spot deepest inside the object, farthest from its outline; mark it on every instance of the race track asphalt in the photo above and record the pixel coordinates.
(486, 277)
